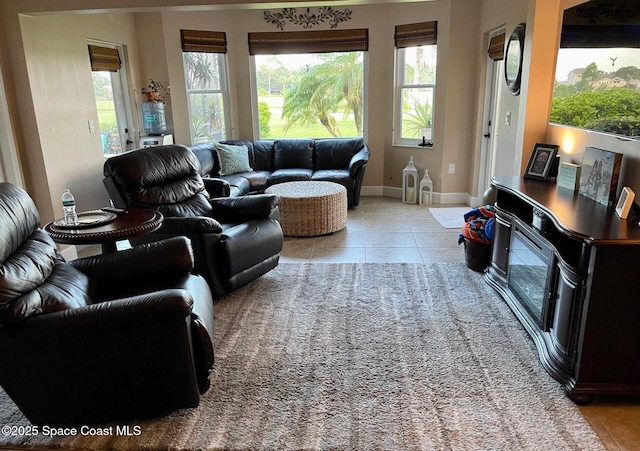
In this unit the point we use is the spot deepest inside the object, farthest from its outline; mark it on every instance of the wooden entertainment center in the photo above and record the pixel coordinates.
(568, 268)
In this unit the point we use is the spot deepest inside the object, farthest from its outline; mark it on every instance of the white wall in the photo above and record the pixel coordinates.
(59, 75)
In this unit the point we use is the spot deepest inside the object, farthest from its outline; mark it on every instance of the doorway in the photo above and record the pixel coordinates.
(115, 120)
(491, 125)
(10, 169)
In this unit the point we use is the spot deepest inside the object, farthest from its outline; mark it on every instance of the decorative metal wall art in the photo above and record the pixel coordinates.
(308, 19)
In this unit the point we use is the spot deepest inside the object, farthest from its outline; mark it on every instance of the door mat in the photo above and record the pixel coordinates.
(451, 217)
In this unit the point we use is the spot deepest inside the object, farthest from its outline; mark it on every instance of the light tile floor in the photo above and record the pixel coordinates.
(383, 229)
(380, 229)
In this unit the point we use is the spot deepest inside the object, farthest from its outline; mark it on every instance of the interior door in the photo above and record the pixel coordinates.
(114, 115)
(490, 130)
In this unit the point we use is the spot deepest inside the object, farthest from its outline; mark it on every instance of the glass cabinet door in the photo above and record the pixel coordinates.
(528, 270)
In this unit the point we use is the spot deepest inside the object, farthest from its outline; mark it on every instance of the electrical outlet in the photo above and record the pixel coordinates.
(91, 127)
(452, 168)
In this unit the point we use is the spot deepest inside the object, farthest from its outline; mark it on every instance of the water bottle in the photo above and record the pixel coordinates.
(153, 118)
(69, 205)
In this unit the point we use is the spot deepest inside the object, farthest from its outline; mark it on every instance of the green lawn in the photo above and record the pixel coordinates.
(106, 116)
(345, 124)
(107, 122)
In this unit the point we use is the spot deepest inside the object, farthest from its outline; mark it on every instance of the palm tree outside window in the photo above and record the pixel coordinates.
(205, 77)
(316, 95)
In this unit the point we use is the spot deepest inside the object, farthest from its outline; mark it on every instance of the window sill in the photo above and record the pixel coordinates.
(414, 146)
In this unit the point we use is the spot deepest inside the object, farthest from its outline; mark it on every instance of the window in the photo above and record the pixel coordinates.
(416, 61)
(597, 80)
(204, 58)
(598, 89)
(309, 84)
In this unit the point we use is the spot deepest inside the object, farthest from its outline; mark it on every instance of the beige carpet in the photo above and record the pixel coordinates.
(364, 356)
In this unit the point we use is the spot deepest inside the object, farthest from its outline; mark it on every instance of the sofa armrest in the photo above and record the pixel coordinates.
(190, 225)
(245, 208)
(216, 187)
(358, 160)
(172, 257)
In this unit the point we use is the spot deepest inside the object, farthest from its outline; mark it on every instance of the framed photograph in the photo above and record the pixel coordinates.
(600, 173)
(624, 202)
(542, 160)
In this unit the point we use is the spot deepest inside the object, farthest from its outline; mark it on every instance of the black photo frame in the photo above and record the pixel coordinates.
(541, 162)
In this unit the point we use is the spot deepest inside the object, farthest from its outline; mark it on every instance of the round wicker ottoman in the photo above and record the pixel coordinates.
(311, 208)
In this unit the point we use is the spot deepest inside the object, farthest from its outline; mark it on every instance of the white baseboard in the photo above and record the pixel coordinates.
(372, 191)
(455, 198)
(437, 198)
(476, 201)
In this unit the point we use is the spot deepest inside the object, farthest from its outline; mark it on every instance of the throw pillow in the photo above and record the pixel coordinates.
(233, 159)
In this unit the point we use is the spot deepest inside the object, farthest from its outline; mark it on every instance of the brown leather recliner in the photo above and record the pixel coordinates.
(235, 239)
(117, 336)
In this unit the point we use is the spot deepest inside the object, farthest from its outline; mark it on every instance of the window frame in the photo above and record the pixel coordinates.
(223, 90)
(307, 42)
(254, 94)
(399, 87)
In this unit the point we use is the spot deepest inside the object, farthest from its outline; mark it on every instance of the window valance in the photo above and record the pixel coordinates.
(203, 41)
(496, 47)
(600, 36)
(414, 34)
(321, 41)
(104, 58)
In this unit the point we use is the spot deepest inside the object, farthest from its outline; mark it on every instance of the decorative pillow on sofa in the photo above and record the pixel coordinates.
(233, 159)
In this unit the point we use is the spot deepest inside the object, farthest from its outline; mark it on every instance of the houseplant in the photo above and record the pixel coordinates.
(156, 91)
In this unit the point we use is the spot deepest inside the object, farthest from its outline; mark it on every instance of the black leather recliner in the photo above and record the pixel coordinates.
(117, 336)
(235, 239)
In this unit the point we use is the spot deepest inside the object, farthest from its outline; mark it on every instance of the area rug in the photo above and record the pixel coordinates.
(450, 217)
(359, 357)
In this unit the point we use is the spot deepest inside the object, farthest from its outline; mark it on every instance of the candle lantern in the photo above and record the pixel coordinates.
(426, 184)
(410, 183)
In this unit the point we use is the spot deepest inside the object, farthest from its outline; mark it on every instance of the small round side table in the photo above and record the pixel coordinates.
(134, 222)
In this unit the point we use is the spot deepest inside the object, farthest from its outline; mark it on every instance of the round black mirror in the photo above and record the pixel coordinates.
(513, 59)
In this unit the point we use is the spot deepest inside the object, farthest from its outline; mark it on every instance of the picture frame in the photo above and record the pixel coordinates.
(600, 174)
(624, 202)
(569, 176)
(541, 162)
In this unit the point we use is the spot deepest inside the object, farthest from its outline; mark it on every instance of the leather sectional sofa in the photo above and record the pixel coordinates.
(339, 160)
